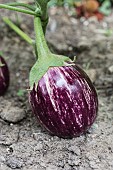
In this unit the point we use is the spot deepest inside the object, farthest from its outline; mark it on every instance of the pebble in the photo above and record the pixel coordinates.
(74, 162)
(110, 69)
(74, 149)
(93, 164)
(2, 159)
(53, 26)
(83, 45)
(11, 113)
(51, 167)
(67, 167)
(3, 167)
(93, 19)
(14, 163)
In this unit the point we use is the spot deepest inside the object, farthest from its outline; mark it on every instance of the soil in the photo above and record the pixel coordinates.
(25, 145)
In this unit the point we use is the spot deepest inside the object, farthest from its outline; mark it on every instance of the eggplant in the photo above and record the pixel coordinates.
(64, 101)
(4, 76)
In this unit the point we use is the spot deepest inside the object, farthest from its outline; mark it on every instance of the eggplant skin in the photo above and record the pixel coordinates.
(65, 101)
(4, 76)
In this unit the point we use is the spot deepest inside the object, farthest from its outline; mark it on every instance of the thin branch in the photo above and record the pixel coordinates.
(18, 30)
(17, 9)
(21, 4)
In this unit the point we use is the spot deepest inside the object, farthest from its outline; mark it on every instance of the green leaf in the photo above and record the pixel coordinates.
(105, 7)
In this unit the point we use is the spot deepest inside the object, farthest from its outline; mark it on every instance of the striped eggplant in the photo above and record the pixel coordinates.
(65, 101)
(4, 76)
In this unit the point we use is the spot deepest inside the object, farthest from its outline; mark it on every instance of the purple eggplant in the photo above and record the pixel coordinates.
(4, 76)
(65, 101)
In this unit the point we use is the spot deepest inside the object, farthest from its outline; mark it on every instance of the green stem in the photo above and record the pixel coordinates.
(18, 31)
(43, 5)
(44, 17)
(17, 9)
(41, 44)
(22, 4)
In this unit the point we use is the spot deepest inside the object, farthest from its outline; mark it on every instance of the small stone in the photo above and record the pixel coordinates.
(110, 69)
(14, 163)
(3, 166)
(39, 146)
(67, 167)
(86, 23)
(51, 167)
(2, 159)
(81, 168)
(75, 150)
(111, 163)
(73, 162)
(53, 26)
(93, 19)
(93, 164)
(83, 45)
(74, 20)
(11, 113)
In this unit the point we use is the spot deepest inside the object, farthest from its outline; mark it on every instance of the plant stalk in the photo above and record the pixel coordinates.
(21, 4)
(18, 30)
(44, 17)
(43, 5)
(41, 45)
(17, 9)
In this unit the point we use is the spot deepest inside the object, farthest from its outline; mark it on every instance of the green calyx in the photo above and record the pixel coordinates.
(30, 7)
(13, 8)
(43, 64)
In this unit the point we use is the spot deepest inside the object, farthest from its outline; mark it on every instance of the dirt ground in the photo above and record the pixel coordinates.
(23, 143)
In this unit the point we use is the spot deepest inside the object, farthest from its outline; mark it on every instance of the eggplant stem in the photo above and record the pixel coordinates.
(41, 45)
(43, 5)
